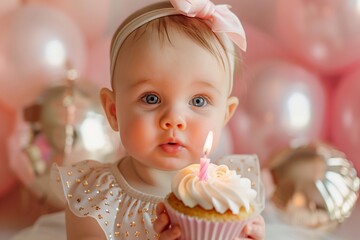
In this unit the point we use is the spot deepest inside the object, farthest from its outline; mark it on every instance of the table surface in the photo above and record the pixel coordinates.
(19, 209)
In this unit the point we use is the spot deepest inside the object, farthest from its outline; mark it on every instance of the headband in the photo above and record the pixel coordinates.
(219, 18)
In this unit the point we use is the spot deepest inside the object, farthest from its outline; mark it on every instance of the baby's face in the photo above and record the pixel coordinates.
(168, 97)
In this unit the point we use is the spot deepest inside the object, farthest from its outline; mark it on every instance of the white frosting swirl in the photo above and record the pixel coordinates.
(224, 190)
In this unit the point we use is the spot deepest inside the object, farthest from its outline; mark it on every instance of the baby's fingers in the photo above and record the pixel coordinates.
(170, 234)
(255, 232)
(162, 221)
(160, 208)
(162, 225)
(256, 229)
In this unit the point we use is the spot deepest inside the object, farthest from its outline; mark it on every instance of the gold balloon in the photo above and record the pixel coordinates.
(65, 125)
(315, 185)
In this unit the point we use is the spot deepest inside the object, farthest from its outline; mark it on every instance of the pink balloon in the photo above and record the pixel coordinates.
(258, 12)
(261, 45)
(36, 43)
(97, 69)
(19, 162)
(345, 117)
(7, 5)
(324, 34)
(282, 104)
(91, 15)
(120, 9)
(8, 179)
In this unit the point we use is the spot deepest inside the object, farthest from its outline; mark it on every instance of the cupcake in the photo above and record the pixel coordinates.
(216, 208)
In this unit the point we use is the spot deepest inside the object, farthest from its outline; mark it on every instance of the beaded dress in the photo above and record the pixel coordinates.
(100, 191)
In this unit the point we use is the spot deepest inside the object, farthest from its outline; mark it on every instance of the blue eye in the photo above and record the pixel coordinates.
(199, 102)
(150, 99)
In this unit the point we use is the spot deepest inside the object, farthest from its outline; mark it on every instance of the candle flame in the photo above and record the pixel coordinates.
(208, 143)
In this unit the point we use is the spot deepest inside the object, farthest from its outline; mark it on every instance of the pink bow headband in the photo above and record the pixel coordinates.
(219, 18)
(222, 20)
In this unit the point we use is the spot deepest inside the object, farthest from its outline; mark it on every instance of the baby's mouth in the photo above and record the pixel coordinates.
(171, 147)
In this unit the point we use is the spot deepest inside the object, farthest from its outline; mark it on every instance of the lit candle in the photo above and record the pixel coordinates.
(204, 161)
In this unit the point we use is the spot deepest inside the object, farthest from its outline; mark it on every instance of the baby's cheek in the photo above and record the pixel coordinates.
(136, 133)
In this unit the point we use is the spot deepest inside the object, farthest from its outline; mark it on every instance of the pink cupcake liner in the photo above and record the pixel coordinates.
(196, 229)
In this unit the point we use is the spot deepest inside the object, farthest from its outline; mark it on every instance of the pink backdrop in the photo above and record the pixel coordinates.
(299, 80)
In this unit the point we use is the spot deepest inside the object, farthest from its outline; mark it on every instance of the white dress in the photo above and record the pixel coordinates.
(99, 190)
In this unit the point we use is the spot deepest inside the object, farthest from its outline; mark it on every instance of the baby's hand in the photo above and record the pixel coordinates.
(254, 229)
(162, 224)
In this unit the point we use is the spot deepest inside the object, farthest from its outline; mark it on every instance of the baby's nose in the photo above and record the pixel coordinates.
(172, 120)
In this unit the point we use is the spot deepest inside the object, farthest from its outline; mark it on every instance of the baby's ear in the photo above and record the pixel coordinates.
(108, 102)
(232, 103)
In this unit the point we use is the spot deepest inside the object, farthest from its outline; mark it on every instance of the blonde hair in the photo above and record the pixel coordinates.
(197, 29)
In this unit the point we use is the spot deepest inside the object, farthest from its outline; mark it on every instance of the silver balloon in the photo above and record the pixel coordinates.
(65, 125)
(92, 136)
(315, 185)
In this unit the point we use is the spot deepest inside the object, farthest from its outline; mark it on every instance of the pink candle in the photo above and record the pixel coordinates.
(204, 161)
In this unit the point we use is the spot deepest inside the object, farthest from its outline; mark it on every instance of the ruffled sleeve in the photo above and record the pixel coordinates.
(90, 188)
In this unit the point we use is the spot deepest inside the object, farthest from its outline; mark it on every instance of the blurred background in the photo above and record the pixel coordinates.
(299, 91)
